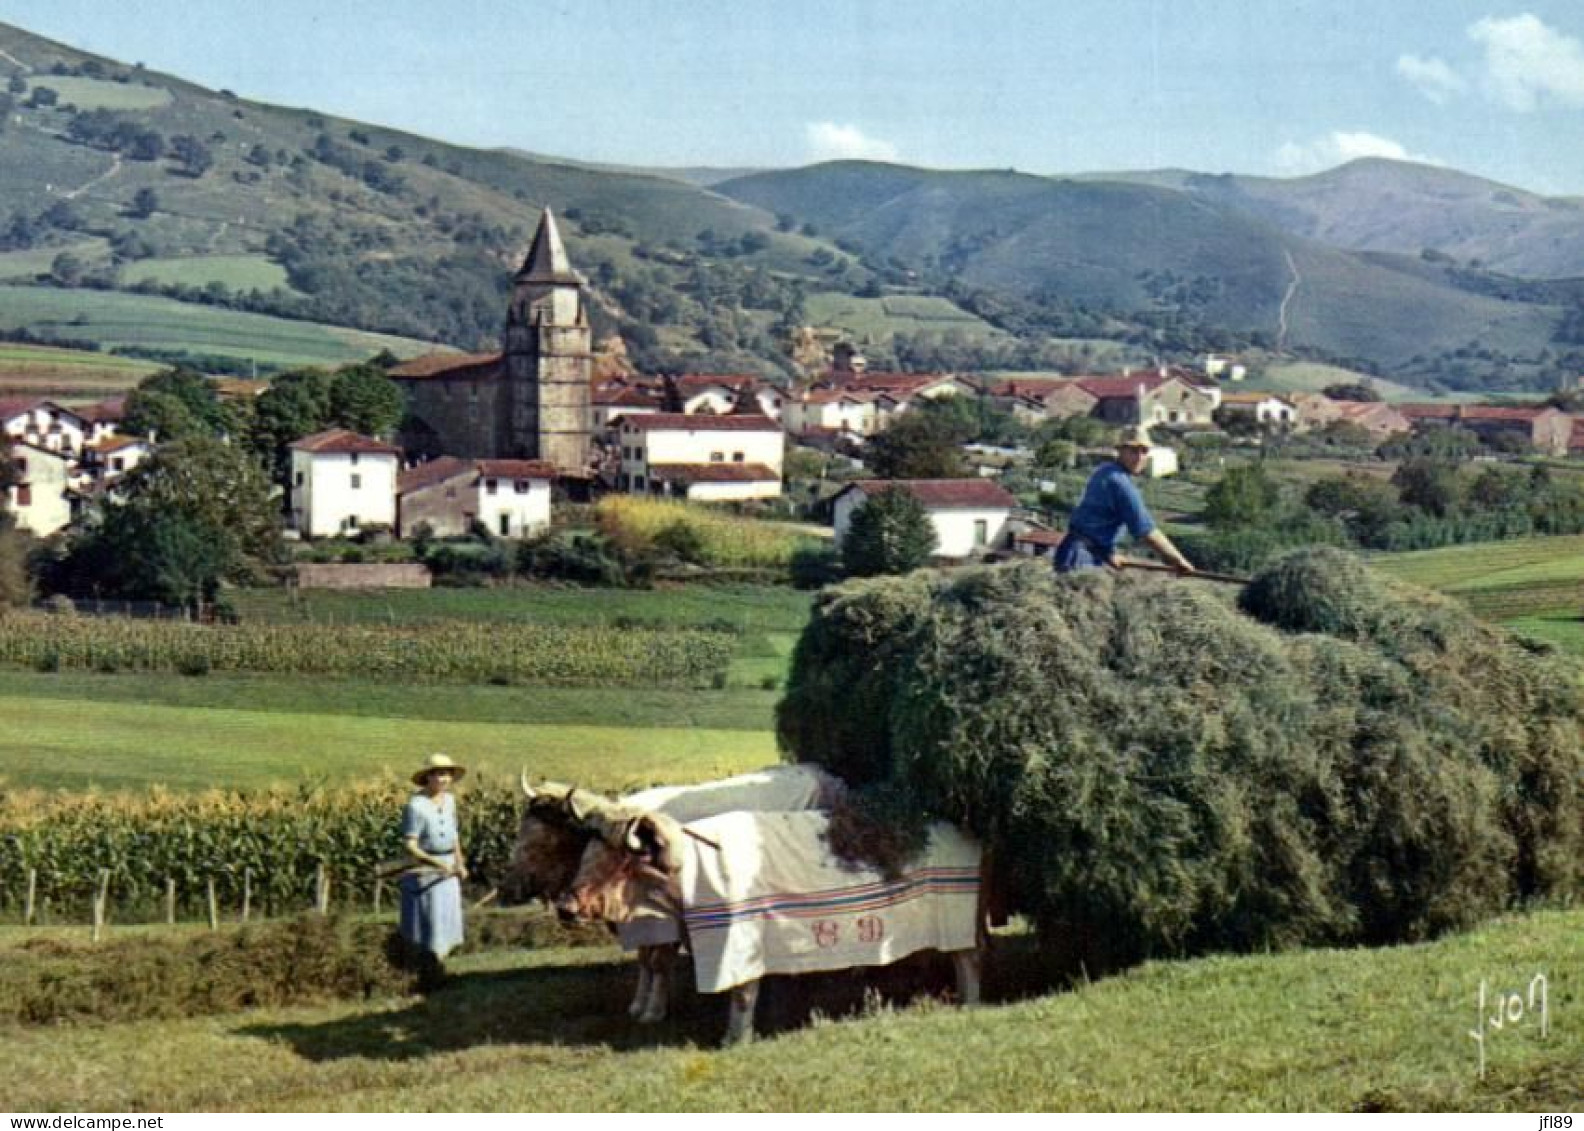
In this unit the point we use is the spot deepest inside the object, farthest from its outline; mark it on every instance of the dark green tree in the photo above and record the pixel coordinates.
(918, 444)
(363, 399)
(1431, 485)
(145, 202)
(296, 404)
(177, 403)
(1244, 496)
(890, 533)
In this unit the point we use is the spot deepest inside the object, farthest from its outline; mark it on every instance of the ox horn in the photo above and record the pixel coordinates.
(578, 810)
(528, 790)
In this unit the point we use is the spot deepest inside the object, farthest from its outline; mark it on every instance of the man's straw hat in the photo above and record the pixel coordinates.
(438, 762)
(1135, 437)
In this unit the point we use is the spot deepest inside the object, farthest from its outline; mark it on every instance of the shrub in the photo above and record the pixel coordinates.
(1172, 775)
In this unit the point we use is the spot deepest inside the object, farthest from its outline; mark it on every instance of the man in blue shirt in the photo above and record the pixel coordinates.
(1110, 504)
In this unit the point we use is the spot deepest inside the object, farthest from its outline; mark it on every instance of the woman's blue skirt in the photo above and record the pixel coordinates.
(431, 911)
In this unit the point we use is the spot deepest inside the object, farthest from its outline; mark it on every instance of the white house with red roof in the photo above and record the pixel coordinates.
(44, 424)
(108, 459)
(971, 516)
(510, 497)
(615, 399)
(38, 500)
(103, 418)
(342, 482)
(700, 456)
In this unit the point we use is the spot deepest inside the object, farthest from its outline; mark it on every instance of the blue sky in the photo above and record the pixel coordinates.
(1274, 87)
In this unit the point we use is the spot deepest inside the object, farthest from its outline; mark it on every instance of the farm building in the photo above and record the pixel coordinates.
(511, 498)
(675, 454)
(970, 516)
(342, 482)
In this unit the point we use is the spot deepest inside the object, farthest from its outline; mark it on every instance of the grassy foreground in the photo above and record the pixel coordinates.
(545, 1030)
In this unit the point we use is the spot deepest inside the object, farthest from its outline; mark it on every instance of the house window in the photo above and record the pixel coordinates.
(521, 486)
(505, 525)
(357, 482)
(21, 465)
(737, 457)
(354, 459)
(351, 522)
(981, 531)
(717, 457)
(25, 495)
(490, 485)
(473, 391)
(450, 492)
(117, 463)
(445, 390)
(299, 480)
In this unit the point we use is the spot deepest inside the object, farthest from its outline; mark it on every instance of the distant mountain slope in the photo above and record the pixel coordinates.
(1374, 204)
(1137, 246)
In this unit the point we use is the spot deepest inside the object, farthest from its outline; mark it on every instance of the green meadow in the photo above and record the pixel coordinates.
(237, 272)
(115, 319)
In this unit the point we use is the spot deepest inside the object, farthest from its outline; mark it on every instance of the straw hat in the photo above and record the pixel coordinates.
(1135, 437)
(438, 762)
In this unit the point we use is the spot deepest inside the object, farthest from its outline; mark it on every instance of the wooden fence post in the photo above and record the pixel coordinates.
(321, 890)
(101, 897)
(32, 895)
(379, 894)
(247, 893)
(170, 900)
(214, 907)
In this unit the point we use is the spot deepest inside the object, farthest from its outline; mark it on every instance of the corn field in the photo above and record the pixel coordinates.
(455, 650)
(635, 524)
(273, 843)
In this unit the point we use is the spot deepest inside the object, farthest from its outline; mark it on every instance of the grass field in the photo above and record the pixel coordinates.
(1534, 585)
(115, 319)
(128, 730)
(879, 318)
(545, 1029)
(70, 375)
(100, 94)
(32, 262)
(238, 272)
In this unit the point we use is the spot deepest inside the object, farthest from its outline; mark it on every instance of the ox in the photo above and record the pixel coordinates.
(760, 893)
(559, 822)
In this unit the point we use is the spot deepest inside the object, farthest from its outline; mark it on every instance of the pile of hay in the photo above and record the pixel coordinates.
(1159, 767)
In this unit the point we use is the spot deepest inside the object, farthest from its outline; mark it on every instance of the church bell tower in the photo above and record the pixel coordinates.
(548, 358)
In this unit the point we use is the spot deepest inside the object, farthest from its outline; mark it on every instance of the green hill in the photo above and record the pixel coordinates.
(1166, 257)
(116, 178)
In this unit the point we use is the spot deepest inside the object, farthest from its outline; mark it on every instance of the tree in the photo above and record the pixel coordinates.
(918, 444)
(890, 533)
(176, 403)
(145, 202)
(296, 404)
(363, 399)
(191, 154)
(1366, 504)
(1356, 391)
(67, 269)
(1244, 496)
(1429, 484)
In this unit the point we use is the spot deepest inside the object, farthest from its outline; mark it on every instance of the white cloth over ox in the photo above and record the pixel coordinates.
(774, 900)
(800, 786)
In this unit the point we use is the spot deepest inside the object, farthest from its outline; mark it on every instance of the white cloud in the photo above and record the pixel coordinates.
(1433, 77)
(1526, 61)
(1338, 147)
(828, 141)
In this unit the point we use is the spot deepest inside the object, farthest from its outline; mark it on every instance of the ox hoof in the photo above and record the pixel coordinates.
(651, 1017)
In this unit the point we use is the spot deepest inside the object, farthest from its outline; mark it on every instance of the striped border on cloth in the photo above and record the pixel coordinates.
(846, 900)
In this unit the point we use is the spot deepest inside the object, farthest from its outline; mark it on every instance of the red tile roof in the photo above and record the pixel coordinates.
(1108, 387)
(698, 422)
(343, 440)
(1428, 411)
(712, 472)
(443, 365)
(625, 397)
(115, 444)
(943, 492)
(433, 472)
(1040, 537)
(516, 469)
(1504, 412)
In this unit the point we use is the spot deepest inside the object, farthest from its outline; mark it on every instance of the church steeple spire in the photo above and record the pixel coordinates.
(547, 259)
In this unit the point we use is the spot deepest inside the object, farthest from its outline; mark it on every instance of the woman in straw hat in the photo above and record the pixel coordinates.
(1111, 504)
(431, 890)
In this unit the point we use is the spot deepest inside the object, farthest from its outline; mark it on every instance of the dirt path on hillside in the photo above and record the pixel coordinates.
(1286, 302)
(12, 59)
(115, 167)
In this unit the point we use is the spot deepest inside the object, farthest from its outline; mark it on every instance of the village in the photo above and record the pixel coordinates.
(490, 441)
